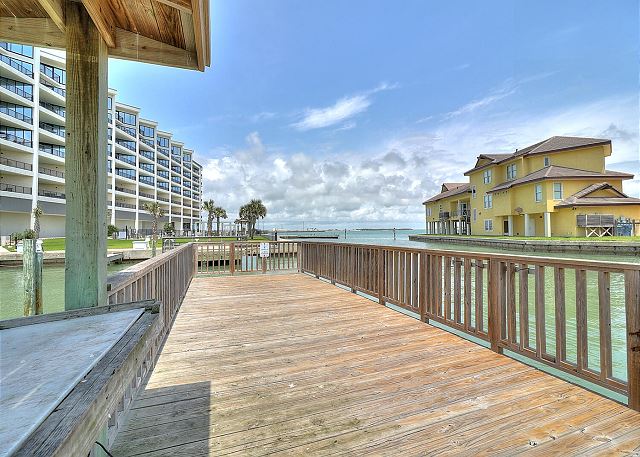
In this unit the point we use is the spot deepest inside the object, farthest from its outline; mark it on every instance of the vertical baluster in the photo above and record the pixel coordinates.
(438, 288)
(447, 288)
(561, 320)
(604, 314)
(479, 295)
(511, 302)
(457, 290)
(467, 293)
(414, 280)
(423, 287)
(541, 334)
(496, 292)
(523, 302)
(632, 306)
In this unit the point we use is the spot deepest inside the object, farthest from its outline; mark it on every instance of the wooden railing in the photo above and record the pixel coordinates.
(164, 278)
(557, 312)
(244, 257)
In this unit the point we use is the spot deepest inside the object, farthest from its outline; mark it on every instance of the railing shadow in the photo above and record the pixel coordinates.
(169, 420)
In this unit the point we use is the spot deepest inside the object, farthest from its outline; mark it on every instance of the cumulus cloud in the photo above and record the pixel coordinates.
(342, 110)
(386, 185)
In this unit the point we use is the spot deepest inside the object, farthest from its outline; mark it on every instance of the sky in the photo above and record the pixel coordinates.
(351, 113)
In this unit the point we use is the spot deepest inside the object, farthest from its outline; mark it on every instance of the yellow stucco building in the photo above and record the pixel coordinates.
(557, 187)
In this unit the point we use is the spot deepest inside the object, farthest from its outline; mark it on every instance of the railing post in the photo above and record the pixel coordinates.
(232, 258)
(381, 276)
(632, 305)
(334, 264)
(32, 272)
(354, 268)
(495, 295)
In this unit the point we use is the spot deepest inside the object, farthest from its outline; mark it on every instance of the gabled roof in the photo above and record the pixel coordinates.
(462, 189)
(553, 144)
(451, 185)
(581, 198)
(556, 172)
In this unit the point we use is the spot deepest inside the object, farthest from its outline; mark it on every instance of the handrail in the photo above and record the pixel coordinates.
(244, 257)
(165, 278)
(506, 300)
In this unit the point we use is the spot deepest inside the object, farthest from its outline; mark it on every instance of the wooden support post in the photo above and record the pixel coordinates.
(232, 258)
(632, 305)
(86, 159)
(264, 265)
(495, 302)
(381, 276)
(32, 273)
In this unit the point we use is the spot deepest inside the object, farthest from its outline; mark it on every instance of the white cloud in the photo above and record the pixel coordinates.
(342, 110)
(386, 185)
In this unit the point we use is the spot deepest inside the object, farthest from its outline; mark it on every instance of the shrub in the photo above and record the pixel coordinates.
(112, 230)
(168, 228)
(29, 234)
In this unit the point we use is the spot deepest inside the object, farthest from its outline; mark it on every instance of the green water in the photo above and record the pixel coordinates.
(11, 305)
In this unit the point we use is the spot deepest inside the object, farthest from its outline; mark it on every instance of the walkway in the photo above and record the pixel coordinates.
(290, 365)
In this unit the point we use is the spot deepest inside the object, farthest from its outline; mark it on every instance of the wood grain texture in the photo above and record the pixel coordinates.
(290, 365)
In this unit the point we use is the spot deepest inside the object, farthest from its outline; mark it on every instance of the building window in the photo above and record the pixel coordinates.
(126, 118)
(487, 176)
(511, 171)
(473, 191)
(488, 201)
(475, 215)
(109, 103)
(147, 131)
(428, 212)
(547, 161)
(557, 191)
(21, 49)
(538, 191)
(488, 225)
(163, 142)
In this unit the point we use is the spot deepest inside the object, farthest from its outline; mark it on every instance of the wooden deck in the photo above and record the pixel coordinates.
(290, 365)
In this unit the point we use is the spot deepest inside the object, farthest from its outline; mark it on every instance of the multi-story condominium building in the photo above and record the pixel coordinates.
(557, 187)
(144, 163)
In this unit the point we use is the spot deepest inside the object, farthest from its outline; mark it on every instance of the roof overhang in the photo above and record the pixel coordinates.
(164, 32)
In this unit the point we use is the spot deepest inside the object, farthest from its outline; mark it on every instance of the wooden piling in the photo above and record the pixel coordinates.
(32, 273)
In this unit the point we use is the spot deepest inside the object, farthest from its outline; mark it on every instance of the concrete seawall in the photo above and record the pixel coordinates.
(630, 248)
(53, 257)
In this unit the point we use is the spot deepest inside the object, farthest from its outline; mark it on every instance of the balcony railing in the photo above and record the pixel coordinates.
(163, 185)
(51, 194)
(129, 174)
(162, 199)
(129, 130)
(50, 172)
(461, 213)
(444, 215)
(16, 139)
(11, 85)
(130, 145)
(23, 67)
(55, 129)
(57, 90)
(126, 158)
(147, 141)
(15, 188)
(125, 190)
(52, 149)
(59, 110)
(147, 155)
(147, 180)
(16, 164)
(125, 205)
(16, 114)
(144, 194)
(164, 152)
(57, 74)
(164, 163)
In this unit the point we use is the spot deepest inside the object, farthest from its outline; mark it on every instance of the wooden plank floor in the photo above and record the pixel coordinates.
(290, 365)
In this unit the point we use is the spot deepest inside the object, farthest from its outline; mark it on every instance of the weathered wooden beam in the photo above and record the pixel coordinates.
(199, 32)
(182, 5)
(55, 10)
(33, 31)
(132, 46)
(103, 19)
(86, 154)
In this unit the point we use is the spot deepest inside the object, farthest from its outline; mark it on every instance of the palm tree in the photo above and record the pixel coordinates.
(253, 211)
(37, 214)
(209, 206)
(220, 213)
(156, 212)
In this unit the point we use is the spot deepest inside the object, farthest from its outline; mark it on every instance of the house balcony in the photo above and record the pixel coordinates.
(443, 215)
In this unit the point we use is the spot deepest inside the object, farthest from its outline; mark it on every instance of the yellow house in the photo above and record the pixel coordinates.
(557, 187)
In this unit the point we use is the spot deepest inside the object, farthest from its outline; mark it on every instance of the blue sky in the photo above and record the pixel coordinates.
(351, 112)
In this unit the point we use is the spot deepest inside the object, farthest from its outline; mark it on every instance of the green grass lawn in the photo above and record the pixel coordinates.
(542, 238)
(57, 244)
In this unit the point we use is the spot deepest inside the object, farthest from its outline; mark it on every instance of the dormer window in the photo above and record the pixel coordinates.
(487, 176)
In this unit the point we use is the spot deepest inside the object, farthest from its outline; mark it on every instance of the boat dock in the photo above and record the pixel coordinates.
(317, 370)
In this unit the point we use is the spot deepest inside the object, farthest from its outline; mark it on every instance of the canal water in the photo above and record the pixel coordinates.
(11, 288)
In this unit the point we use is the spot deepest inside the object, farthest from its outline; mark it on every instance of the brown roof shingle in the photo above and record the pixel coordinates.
(464, 188)
(581, 198)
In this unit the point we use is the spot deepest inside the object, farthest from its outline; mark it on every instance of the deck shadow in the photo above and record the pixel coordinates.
(169, 420)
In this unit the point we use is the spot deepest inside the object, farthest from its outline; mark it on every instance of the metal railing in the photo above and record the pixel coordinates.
(57, 109)
(23, 67)
(53, 128)
(51, 194)
(52, 149)
(125, 205)
(532, 306)
(16, 114)
(124, 189)
(13, 86)
(57, 90)
(16, 139)
(50, 172)
(16, 164)
(4, 187)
